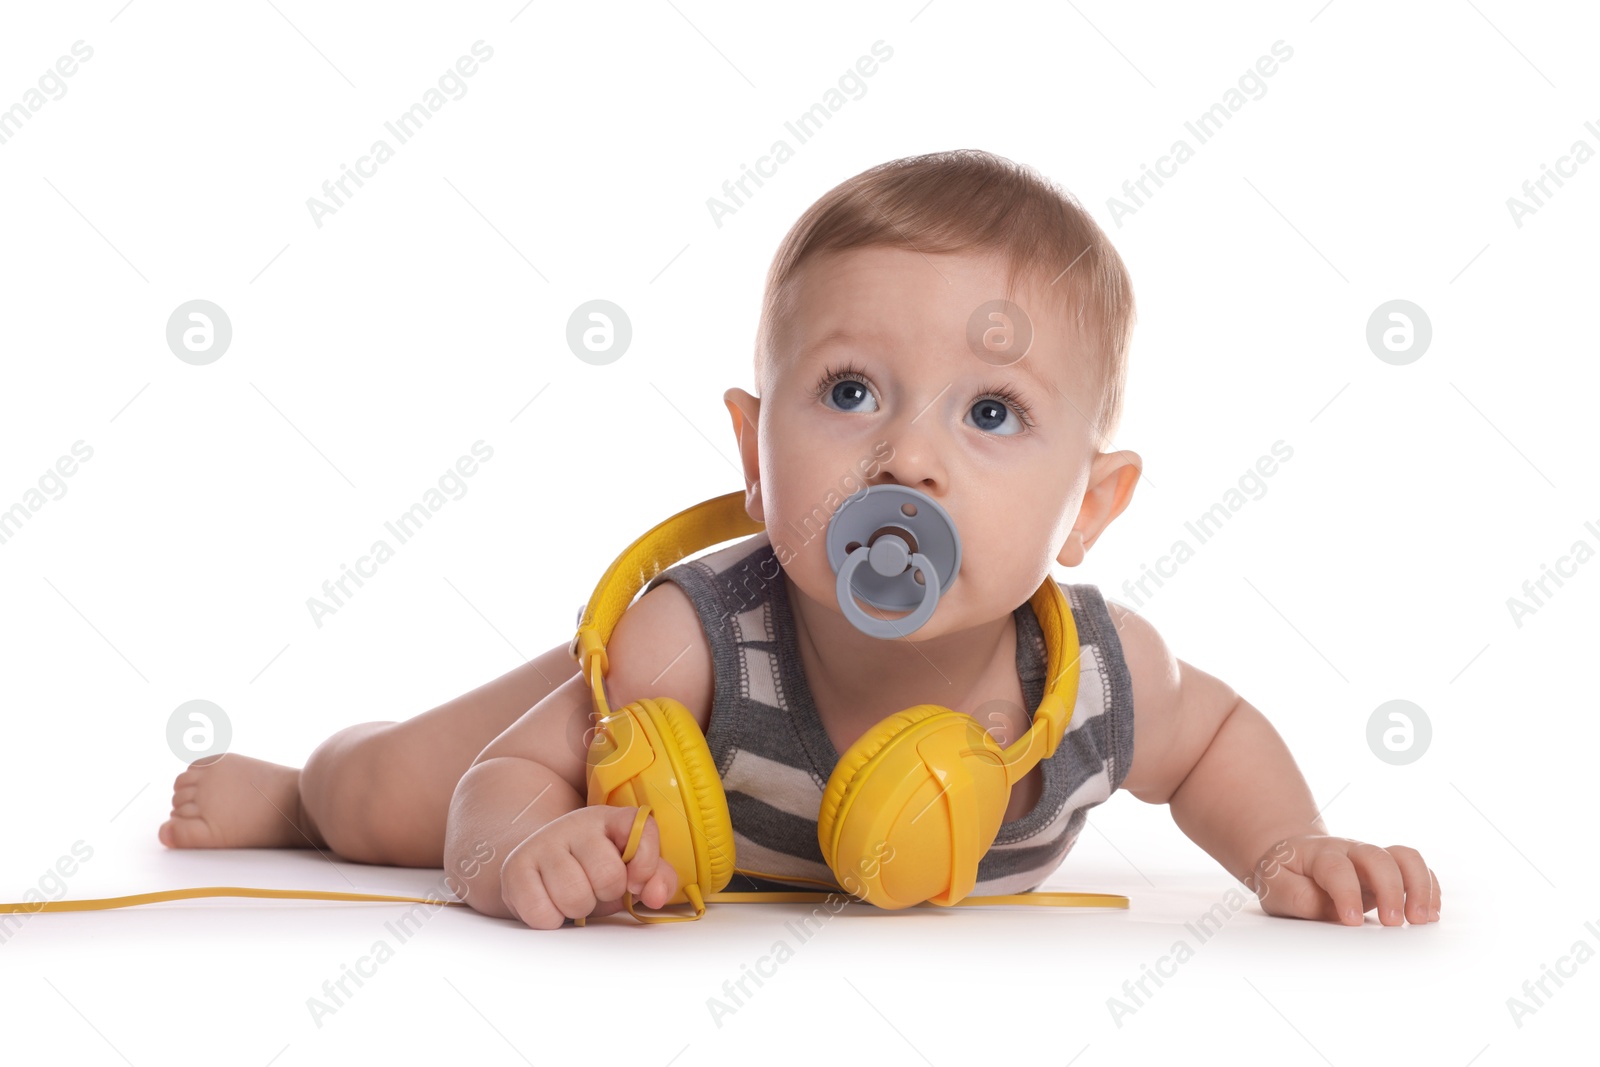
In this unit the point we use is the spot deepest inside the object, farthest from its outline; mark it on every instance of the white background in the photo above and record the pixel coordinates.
(368, 354)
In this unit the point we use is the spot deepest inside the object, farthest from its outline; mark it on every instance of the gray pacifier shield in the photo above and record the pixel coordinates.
(877, 542)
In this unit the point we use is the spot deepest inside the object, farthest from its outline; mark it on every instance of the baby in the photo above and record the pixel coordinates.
(951, 323)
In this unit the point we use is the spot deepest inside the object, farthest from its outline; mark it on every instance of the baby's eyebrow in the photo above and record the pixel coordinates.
(839, 335)
(1031, 369)
(843, 336)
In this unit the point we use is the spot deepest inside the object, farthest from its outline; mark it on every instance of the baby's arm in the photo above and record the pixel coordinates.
(531, 780)
(1234, 789)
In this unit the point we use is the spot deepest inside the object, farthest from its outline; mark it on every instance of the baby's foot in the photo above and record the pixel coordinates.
(238, 802)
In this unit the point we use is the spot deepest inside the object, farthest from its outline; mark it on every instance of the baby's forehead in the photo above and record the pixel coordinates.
(978, 321)
(909, 291)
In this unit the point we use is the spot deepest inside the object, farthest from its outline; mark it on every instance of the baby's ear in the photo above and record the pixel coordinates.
(1112, 478)
(745, 410)
(1071, 554)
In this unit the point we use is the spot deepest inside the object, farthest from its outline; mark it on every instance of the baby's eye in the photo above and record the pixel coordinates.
(990, 415)
(849, 394)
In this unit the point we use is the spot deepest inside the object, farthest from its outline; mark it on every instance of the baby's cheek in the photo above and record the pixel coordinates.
(812, 573)
(996, 544)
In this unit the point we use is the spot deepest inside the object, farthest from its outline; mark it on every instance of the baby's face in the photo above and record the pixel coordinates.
(925, 411)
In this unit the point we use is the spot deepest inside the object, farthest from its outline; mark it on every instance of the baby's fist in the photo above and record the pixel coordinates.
(572, 868)
(1336, 879)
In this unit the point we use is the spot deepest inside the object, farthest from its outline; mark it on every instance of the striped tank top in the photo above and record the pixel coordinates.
(774, 757)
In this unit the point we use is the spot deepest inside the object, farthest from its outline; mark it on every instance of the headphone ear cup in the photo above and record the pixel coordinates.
(699, 794)
(925, 789)
(652, 752)
(846, 778)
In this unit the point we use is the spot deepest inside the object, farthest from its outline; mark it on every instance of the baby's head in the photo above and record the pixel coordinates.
(884, 355)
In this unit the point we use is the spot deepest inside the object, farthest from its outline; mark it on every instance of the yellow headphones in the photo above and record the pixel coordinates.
(926, 765)
(910, 808)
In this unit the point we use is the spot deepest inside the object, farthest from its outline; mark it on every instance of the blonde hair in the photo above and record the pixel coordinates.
(967, 200)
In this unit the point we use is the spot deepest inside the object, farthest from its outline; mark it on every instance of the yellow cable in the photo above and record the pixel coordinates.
(102, 903)
(1082, 900)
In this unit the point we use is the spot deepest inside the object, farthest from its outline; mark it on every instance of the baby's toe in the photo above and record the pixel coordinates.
(234, 803)
(186, 829)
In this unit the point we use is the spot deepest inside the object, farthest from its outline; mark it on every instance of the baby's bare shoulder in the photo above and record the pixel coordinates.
(1151, 665)
(659, 649)
(1176, 708)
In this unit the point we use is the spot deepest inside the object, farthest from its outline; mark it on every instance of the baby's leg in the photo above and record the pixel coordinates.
(378, 792)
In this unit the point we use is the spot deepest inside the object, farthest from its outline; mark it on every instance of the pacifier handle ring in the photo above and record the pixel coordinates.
(887, 627)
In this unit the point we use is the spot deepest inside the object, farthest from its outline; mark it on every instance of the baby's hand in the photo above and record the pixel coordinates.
(1335, 879)
(572, 868)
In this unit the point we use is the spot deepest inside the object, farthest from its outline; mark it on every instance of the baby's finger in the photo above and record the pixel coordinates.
(1381, 874)
(605, 907)
(661, 887)
(567, 885)
(1336, 875)
(608, 878)
(646, 857)
(529, 899)
(1418, 882)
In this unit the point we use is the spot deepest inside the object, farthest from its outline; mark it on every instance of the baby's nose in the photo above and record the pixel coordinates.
(915, 463)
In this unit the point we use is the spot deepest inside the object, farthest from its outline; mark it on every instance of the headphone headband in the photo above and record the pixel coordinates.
(723, 518)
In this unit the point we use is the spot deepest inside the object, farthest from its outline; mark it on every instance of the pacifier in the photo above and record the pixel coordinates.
(893, 547)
